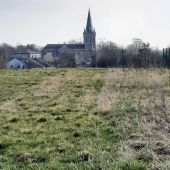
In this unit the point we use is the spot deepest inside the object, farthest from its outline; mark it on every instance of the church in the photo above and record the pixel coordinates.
(84, 53)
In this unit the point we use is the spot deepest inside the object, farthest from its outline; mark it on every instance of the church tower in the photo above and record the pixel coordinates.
(90, 42)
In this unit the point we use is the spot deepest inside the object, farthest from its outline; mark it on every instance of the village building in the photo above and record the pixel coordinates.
(26, 59)
(25, 53)
(26, 63)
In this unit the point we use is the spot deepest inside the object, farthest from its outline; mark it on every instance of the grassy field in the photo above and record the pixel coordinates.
(87, 119)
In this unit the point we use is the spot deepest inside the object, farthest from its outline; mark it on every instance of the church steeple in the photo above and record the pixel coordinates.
(90, 42)
(89, 26)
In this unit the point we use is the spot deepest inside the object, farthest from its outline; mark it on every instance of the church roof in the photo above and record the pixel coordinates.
(58, 46)
(89, 26)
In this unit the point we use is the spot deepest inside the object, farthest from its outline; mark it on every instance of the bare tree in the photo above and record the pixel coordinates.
(5, 50)
(108, 54)
(144, 54)
(65, 60)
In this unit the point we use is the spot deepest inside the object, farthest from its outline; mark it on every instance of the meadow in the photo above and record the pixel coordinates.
(85, 119)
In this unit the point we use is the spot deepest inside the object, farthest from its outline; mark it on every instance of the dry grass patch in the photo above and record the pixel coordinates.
(115, 74)
(49, 85)
(108, 96)
(153, 108)
(106, 99)
(88, 99)
(71, 75)
(7, 105)
(155, 79)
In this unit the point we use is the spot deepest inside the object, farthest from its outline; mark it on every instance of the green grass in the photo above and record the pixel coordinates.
(88, 119)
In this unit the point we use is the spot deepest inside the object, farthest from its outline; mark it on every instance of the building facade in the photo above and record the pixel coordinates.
(25, 54)
(84, 53)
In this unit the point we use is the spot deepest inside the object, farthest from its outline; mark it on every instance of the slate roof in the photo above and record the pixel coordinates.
(58, 46)
(24, 51)
(89, 26)
(23, 59)
(41, 62)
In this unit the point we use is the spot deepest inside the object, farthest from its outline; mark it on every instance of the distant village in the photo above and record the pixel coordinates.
(139, 54)
(58, 55)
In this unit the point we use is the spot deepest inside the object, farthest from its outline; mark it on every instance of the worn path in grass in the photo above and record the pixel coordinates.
(84, 119)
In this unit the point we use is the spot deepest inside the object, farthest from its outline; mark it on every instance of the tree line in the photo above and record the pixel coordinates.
(138, 54)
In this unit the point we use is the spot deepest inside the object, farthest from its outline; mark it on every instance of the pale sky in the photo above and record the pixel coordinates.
(57, 21)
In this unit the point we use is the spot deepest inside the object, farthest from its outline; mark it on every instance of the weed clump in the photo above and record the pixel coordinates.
(131, 165)
(60, 150)
(31, 158)
(3, 145)
(78, 124)
(102, 113)
(98, 84)
(6, 127)
(145, 156)
(54, 113)
(26, 131)
(138, 145)
(13, 119)
(68, 110)
(59, 118)
(42, 120)
(84, 156)
(134, 136)
(162, 151)
(76, 134)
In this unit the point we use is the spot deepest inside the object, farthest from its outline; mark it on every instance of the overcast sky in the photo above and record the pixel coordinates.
(58, 21)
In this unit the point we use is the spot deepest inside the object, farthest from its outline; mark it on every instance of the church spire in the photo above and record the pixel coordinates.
(90, 42)
(89, 26)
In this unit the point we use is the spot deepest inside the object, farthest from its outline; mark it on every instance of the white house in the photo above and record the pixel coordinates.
(33, 54)
(16, 64)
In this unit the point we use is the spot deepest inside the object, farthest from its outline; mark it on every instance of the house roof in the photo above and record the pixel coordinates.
(24, 51)
(58, 46)
(23, 59)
